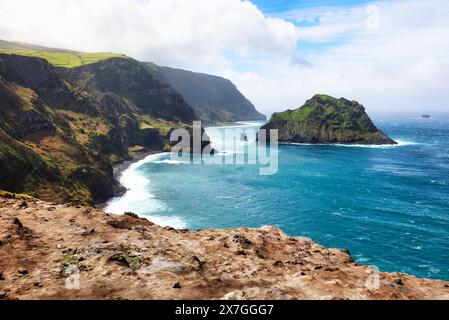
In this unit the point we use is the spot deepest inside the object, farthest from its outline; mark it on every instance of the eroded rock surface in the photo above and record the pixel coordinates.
(46, 250)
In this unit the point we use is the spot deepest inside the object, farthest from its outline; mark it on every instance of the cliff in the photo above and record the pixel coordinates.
(324, 119)
(66, 117)
(62, 129)
(92, 255)
(214, 99)
(121, 81)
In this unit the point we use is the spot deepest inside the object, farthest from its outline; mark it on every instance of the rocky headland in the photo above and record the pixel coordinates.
(324, 119)
(67, 117)
(214, 99)
(90, 254)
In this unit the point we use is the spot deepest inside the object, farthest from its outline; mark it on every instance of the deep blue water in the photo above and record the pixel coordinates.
(388, 205)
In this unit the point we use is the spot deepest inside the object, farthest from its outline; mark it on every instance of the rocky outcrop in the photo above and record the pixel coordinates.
(324, 119)
(61, 130)
(92, 255)
(214, 99)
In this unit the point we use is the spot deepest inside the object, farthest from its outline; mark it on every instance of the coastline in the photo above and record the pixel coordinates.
(129, 188)
(161, 212)
(306, 268)
(399, 143)
(118, 170)
(236, 124)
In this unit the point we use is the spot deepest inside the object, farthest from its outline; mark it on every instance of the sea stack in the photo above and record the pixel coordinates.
(327, 120)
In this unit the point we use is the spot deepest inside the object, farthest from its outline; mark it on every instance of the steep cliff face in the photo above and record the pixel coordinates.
(324, 119)
(66, 117)
(145, 108)
(22, 169)
(159, 89)
(130, 258)
(41, 149)
(42, 78)
(62, 129)
(128, 79)
(214, 99)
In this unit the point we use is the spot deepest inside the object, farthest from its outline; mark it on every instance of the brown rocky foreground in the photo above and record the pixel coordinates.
(43, 247)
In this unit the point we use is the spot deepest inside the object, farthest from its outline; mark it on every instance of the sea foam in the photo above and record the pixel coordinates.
(138, 197)
(401, 143)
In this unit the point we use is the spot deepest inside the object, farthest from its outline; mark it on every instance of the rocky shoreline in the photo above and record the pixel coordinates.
(90, 254)
(118, 169)
(122, 166)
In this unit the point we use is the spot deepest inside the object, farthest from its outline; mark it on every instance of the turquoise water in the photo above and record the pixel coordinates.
(388, 205)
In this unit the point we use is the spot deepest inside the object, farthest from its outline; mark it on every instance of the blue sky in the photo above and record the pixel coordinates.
(389, 55)
(273, 7)
(285, 8)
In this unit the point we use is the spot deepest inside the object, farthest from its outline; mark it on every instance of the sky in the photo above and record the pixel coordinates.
(391, 56)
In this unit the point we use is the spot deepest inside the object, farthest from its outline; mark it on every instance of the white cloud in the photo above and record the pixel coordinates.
(200, 33)
(401, 65)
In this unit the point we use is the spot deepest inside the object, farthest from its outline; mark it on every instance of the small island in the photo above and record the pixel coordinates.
(327, 120)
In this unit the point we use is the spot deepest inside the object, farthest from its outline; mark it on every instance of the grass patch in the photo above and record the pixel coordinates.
(70, 260)
(134, 262)
(135, 149)
(73, 260)
(148, 122)
(10, 195)
(66, 59)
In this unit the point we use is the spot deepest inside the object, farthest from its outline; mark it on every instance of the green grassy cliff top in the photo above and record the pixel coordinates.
(65, 59)
(320, 105)
(56, 57)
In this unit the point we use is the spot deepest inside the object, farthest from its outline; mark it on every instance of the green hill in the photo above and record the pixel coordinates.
(62, 129)
(66, 117)
(214, 99)
(56, 57)
(324, 119)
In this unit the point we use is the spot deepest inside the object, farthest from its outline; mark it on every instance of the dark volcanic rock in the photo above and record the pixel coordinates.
(324, 119)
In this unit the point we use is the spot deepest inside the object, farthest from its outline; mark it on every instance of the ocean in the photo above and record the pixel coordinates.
(389, 205)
